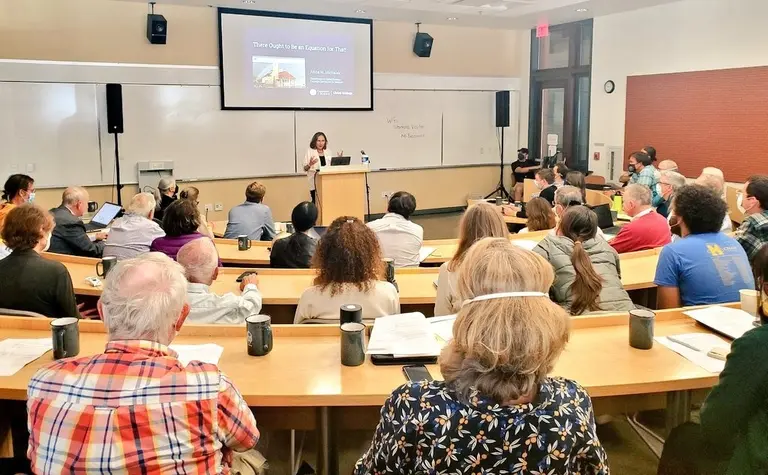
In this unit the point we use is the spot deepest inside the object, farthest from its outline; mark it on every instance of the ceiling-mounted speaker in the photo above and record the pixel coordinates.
(157, 29)
(422, 46)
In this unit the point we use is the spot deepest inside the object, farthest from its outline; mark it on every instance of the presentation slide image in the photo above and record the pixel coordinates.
(279, 72)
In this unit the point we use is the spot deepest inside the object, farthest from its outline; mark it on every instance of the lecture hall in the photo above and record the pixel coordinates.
(381, 236)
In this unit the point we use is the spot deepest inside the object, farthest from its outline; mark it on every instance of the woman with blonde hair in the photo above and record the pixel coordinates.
(192, 193)
(497, 411)
(480, 221)
(541, 217)
(587, 269)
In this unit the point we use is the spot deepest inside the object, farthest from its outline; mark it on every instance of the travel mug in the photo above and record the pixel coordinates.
(289, 228)
(641, 324)
(66, 337)
(749, 301)
(92, 206)
(390, 272)
(106, 264)
(259, 334)
(243, 243)
(352, 344)
(350, 313)
(498, 201)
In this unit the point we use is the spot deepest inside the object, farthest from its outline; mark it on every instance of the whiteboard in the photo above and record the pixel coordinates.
(50, 131)
(186, 124)
(404, 130)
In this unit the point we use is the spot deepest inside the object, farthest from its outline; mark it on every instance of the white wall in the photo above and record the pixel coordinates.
(690, 35)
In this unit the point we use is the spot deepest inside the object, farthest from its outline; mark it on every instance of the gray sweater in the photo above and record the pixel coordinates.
(558, 249)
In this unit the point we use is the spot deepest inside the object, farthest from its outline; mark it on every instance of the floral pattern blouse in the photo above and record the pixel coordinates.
(425, 429)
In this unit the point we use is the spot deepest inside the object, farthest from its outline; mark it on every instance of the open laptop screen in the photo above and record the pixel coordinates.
(106, 214)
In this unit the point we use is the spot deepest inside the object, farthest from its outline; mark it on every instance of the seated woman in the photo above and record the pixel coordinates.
(541, 217)
(192, 194)
(576, 178)
(497, 410)
(587, 268)
(296, 250)
(349, 263)
(28, 281)
(165, 194)
(180, 223)
(480, 221)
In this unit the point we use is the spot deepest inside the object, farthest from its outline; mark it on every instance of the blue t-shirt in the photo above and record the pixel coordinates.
(707, 268)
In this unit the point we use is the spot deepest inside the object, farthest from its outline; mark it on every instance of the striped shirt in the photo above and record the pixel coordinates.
(135, 409)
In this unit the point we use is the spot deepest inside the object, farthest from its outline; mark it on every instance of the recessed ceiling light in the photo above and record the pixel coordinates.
(359, 11)
(249, 2)
(451, 18)
(582, 10)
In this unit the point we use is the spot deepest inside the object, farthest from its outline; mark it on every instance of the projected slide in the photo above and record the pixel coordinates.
(276, 62)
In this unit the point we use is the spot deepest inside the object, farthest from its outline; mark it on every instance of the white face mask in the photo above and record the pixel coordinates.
(740, 204)
(48, 241)
(31, 197)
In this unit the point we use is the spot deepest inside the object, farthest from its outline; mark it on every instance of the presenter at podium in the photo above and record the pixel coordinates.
(316, 158)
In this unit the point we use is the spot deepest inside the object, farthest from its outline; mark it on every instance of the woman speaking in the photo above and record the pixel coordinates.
(316, 158)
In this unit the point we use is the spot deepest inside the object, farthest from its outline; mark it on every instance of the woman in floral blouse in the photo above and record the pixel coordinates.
(497, 411)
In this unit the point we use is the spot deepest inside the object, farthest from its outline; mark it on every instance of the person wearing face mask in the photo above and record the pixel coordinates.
(648, 229)
(18, 189)
(753, 202)
(29, 282)
(565, 197)
(165, 194)
(642, 172)
(522, 168)
(545, 182)
(69, 236)
(669, 183)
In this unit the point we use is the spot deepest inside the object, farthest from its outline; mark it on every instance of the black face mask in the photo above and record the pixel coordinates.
(631, 169)
(521, 156)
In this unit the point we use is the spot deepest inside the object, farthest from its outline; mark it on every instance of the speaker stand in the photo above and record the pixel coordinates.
(117, 172)
(500, 190)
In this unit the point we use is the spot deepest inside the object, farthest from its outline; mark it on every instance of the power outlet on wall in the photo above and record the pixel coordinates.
(208, 207)
(218, 207)
(386, 194)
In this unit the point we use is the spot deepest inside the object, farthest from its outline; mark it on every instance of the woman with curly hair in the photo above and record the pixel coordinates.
(349, 268)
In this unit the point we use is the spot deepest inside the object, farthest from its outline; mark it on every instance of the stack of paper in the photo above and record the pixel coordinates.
(442, 328)
(695, 346)
(17, 353)
(408, 334)
(426, 252)
(525, 244)
(208, 353)
(731, 322)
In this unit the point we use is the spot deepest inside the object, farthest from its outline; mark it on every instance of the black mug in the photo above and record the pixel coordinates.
(350, 313)
(352, 344)
(66, 337)
(243, 243)
(641, 323)
(289, 228)
(106, 264)
(259, 329)
(92, 206)
(390, 270)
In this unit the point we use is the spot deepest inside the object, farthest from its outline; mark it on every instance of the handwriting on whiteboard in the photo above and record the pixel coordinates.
(411, 130)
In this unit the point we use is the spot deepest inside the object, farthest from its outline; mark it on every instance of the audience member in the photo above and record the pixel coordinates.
(565, 197)
(717, 185)
(497, 411)
(545, 182)
(713, 171)
(252, 218)
(522, 168)
(644, 173)
(732, 435)
(136, 408)
(647, 230)
(540, 215)
(201, 265)
(705, 266)
(18, 189)
(192, 194)
(132, 234)
(180, 223)
(296, 250)
(561, 170)
(28, 281)
(480, 221)
(668, 166)
(587, 269)
(69, 236)
(165, 194)
(400, 238)
(753, 203)
(349, 263)
(669, 183)
(576, 178)
(650, 151)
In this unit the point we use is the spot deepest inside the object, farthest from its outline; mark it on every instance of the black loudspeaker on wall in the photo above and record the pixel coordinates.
(422, 46)
(115, 108)
(502, 109)
(157, 29)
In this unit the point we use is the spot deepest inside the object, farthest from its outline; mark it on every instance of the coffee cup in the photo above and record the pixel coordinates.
(105, 265)
(352, 344)
(259, 329)
(350, 313)
(243, 243)
(641, 324)
(66, 337)
(92, 206)
(749, 301)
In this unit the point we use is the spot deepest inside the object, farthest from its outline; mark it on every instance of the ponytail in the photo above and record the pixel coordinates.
(587, 283)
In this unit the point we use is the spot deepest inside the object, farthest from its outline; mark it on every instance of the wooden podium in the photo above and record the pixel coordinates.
(341, 192)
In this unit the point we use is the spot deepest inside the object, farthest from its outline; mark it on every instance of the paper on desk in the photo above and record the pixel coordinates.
(731, 322)
(408, 334)
(442, 327)
(208, 353)
(17, 353)
(525, 243)
(425, 252)
(705, 342)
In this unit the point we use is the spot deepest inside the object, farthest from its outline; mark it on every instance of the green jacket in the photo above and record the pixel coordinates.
(734, 419)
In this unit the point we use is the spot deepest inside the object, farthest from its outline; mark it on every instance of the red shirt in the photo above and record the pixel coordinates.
(648, 231)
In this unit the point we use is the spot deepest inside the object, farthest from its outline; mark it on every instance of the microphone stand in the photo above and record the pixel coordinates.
(367, 189)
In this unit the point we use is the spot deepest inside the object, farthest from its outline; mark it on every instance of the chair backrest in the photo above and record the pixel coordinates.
(596, 198)
(594, 180)
(604, 216)
(20, 313)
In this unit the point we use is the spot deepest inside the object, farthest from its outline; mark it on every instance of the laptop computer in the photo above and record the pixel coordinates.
(103, 218)
(605, 219)
(318, 231)
(338, 161)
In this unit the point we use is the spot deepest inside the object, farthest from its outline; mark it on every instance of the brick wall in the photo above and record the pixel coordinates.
(704, 118)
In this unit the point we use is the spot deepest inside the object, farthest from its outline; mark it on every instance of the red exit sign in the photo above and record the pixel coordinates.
(542, 31)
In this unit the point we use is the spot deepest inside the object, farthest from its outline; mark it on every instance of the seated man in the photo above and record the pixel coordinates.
(69, 236)
(647, 230)
(705, 266)
(252, 218)
(522, 168)
(668, 166)
(400, 238)
(669, 183)
(753, 232)
(565, 197)
(545, 181)
(296, 250)
(132, 234)
(135, 408)
(716, 183)
(201, 264)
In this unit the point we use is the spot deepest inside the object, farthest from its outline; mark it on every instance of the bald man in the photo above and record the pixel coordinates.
(647, 230)
(667, 166)
(69, 236)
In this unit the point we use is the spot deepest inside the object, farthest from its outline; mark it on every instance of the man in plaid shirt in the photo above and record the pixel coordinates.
(643, 172)
(753, 202)
(135, 408)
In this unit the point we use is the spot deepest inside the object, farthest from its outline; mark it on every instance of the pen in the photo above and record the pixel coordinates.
(681, 342)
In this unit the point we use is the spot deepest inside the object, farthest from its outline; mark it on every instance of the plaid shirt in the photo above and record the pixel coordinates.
(649, 177)
(135, 409)
(753, 233)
